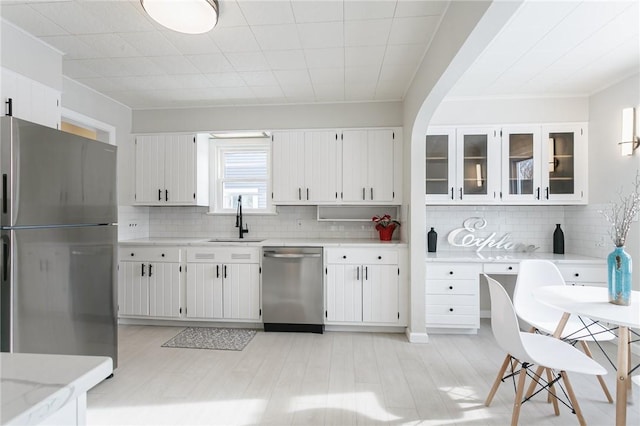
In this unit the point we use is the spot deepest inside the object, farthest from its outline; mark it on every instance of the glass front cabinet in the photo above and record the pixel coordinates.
(462, 165)
(528, 164)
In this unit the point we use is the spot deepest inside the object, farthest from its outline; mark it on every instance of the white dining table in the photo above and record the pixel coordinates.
(593, 302)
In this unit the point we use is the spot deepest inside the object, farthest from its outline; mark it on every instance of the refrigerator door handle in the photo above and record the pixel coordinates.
(5, 193)
(5, 258)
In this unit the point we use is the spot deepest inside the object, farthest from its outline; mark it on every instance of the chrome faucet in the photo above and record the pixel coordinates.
(241, 230)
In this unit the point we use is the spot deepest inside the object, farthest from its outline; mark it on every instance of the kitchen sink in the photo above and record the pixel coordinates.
(235, 240)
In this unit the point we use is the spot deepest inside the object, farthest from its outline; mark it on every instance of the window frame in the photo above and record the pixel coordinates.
(218, 148)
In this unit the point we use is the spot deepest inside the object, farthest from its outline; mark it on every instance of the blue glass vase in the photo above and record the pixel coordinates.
(619, 276)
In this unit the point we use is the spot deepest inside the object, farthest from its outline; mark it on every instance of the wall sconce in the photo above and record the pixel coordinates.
(629, 139)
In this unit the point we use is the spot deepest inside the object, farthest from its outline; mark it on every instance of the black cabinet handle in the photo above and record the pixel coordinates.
(546, 192)
(150, 266)
(143, 269)
(5, 259)
(379, 257)
(225, 271)
(576, 274)
(357, 273)
(217, 271)
(371, 194)
(9, 103)
(450, 272)
(363, 189)
(162, 255)
(307, 194)
(132, 254)
(450, 287)
(452, 192)
(166, 195)
(344, 257)
(299, 193)
(461, 193)
(450, 309)
(537, 193)
(159, 194)
(510, 268)
(366, 272)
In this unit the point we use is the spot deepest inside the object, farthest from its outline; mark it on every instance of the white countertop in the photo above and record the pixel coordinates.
(34, 386)
(309, 242)
(505, 256)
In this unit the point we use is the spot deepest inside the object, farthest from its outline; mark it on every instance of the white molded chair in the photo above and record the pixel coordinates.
(537, 273)
(527, 349)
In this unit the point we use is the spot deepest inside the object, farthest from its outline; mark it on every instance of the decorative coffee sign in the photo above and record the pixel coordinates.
(467, 237)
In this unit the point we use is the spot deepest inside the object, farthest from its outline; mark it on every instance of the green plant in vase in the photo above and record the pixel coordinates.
(620, 214)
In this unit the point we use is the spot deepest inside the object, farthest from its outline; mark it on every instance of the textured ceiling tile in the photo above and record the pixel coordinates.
(325, 58)
(321, 35)
(317, 10)
(286, 59)
(30, 20)
(367, 33)
(235, 39)
(371, 9)
(248, 61)
(277, 37)
(258, 12)
(216, 62)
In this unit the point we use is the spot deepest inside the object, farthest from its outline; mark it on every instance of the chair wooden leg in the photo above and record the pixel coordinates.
(532, 386)
(518, 401)
(572, 398)
(498, 380)
(603, 385)
(552, 392)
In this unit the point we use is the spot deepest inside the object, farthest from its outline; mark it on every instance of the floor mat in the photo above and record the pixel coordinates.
(227, 339)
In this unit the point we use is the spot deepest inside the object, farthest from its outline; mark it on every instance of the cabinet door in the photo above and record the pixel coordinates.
(355, 156)
(204, 290)
(564, 147)
(440, 178)
(241, 291)
(521, 164)
(288, 167)
(133, 289)
(150, 153)
(380, 165)
(380, 294)
(323, 173)
(164, 289)
(180, 169)
(344, 293)
(477, 165)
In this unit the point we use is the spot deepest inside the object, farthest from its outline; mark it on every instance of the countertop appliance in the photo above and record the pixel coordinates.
(292, 292)
(59, 240)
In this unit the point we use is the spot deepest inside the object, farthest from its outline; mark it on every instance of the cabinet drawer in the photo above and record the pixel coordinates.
(501, 268)
(453, 271)
(224, 255)
(150, 254)
(362, 256)
(452, 310)
(455, 320)
(452, 287)
(453, 301)
(583, 273)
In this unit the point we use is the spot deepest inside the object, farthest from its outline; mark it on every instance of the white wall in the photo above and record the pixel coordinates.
(511, 111)
(30, 57)
(465, 30)
(307, 116)
(610, 172)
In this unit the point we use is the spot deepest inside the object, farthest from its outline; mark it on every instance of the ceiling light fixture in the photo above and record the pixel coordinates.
(183, 16)
(630, 141)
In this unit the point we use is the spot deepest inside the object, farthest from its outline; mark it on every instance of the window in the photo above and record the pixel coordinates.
(242, 168)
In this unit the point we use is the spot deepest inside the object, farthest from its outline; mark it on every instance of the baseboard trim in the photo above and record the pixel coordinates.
(414, 337)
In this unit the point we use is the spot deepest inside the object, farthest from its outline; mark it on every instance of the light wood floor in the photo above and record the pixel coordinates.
(337, 378)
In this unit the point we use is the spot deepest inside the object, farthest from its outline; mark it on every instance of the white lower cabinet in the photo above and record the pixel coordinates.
(223, 283)
(582, 274)
(149, 282)
(362, 286)
(452, 296)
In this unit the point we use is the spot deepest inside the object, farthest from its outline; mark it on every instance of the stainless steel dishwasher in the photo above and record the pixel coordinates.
(292, 293)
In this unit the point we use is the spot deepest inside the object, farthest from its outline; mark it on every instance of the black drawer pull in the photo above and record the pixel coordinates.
(162, 255)
(344, 257)
(450, 272)
(450, 287)
(510, 268)
(576, 274)
(379, 257)
(450, 309)
(132, 254)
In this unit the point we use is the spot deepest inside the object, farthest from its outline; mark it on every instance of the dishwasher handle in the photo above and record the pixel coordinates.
(290, 255)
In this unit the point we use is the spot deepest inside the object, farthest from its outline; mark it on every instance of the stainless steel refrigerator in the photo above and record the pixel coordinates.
(59, 242)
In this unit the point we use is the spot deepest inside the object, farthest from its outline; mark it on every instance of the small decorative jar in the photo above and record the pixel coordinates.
(619, 276)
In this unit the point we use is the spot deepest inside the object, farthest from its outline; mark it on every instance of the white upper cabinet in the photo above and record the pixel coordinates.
(462, 165)
(520, 164)
(168, 171)
(369, 171)
(306, 167)
(30, 100)
(544, 164)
